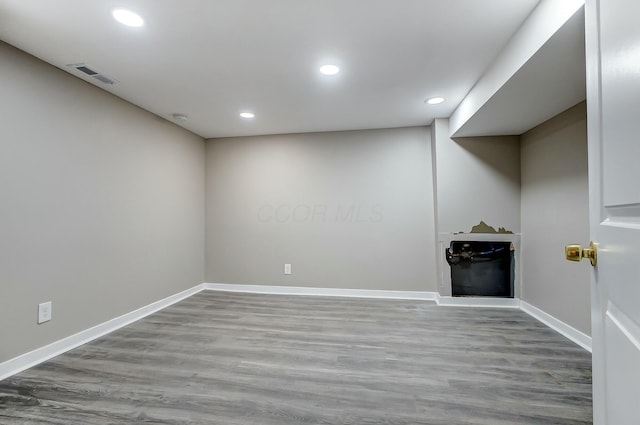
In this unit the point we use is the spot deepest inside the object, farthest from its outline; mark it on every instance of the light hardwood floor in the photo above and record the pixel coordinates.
(239, 359)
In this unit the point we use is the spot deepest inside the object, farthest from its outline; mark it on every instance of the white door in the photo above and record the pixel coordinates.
(613, 102)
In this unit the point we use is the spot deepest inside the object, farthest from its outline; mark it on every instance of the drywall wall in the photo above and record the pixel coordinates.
(345, 209)
(555, 212)
(478, 179)
(102, 206)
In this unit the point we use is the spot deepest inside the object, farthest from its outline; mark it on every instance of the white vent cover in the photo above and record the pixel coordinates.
(90, 72)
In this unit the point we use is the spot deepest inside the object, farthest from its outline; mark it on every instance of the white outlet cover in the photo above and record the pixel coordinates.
(287, 269)
(44, 312)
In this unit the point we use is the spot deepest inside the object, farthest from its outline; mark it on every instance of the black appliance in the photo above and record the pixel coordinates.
(480, 268)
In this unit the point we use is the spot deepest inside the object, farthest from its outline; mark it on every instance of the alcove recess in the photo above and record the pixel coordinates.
(482, 239)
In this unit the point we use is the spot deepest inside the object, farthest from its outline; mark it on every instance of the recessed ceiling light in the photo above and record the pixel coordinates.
(247, 115)
(434, 100)
(127, 17)
(329, 69)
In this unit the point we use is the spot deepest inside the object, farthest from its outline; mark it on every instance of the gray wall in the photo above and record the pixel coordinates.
(346, 209)
(478, 179)
(555, 205)
(102, 206)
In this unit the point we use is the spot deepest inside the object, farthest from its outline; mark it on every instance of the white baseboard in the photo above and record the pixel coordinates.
(39, 355)
(580, 338)
(479, 302)
(326, 292)
(559, 326)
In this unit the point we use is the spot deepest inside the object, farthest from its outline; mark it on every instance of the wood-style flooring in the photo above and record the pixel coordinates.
(240, 359)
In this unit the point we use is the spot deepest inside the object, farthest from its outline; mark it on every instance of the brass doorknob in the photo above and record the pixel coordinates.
(577, 253)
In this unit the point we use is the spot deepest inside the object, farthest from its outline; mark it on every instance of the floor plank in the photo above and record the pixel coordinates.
(238, 359)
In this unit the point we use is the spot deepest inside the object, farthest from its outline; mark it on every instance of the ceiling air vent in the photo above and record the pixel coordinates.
(85, 69)
(103, 79)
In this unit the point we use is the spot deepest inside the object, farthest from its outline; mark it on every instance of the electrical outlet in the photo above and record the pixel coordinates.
(44, 312)
(287, 269)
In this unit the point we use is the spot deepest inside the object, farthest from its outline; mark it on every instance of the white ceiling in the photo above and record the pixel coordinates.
(550, 82)
(212, 59)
